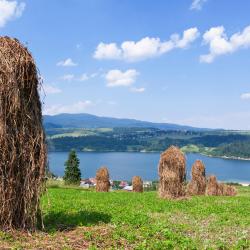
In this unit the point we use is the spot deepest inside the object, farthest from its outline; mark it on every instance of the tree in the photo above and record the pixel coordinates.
(72, 173)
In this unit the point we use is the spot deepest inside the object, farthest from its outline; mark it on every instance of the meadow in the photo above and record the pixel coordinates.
(81, 219)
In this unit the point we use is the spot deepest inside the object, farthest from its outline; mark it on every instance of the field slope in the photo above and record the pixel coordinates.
(79, 219)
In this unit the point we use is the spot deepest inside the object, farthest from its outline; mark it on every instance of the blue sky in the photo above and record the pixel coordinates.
(185, 61)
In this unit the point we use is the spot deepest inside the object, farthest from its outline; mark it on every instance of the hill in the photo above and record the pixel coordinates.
(79, 219)
(93, 121)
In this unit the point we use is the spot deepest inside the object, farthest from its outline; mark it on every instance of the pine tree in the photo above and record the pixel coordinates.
(72, 173)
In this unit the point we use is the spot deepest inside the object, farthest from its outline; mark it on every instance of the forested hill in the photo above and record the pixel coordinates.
(86, 132)
(92, 121)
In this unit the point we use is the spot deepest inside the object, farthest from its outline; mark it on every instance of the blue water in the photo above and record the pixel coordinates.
(123, 166)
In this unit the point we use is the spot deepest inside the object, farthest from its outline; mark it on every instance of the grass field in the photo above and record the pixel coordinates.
(80, 219)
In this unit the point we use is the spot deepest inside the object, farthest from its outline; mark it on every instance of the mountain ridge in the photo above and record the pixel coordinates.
(84, 120)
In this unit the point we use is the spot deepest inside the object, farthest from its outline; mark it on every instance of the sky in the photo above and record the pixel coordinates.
(184, 62)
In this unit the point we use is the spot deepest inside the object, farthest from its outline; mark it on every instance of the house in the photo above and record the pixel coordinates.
(87, 183)
(147, 184)
(123, 184)
(128, 188)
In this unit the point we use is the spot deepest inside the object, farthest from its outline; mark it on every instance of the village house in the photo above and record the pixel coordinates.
(147, 184)
(87, 183)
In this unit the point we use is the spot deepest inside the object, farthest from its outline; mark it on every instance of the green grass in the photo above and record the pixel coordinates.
(121, 220)
(80, 132)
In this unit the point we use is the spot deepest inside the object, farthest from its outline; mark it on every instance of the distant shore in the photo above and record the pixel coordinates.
(145, 151)
(226, 157)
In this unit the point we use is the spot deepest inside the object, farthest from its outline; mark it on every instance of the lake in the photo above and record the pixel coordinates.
(123, 166)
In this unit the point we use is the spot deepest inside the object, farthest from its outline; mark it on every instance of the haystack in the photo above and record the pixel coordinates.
(197, 185)
(226, 190)
(172, 173)
(102, 180)
(22, 139)
(213, 187)
(137, 184)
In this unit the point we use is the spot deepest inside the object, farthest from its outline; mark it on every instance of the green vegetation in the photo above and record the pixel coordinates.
(214, 143)
(72, 173)
(76, 218)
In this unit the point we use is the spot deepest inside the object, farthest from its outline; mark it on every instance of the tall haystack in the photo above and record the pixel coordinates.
(22, 139)
(197, 185)
(172, 173)
(137, 184)
(213, 187)
(102, 180)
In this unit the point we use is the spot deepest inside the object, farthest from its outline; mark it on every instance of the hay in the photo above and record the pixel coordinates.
(102, 180)
(230, 190)
(213, 187)
(172, 173)
(226, 190)
(22, 140)
(137, 184)
(197, 186)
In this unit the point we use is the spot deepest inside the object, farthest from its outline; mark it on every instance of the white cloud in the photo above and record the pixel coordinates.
(68, 77)
(220, 44)
(10, 10)
(67, 63)
(107, 51)
(74, 108)
(49, 89)
(197, 4)
(83, 77)
(245, 96)
(137, 90)
(145, 48)
(116, 78)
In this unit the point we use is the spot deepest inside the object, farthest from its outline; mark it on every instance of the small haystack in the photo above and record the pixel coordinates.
(226, 190)
(102, 180)
(172, 173)
(22, 139)
(230, 190)
(213, 187)
(137, 184)
(197, 185)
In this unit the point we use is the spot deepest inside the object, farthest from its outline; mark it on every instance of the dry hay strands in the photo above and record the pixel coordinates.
(197, 185)
(213, 187)
(137, 184)
(172, 173)
(102, 180)
(23, 153)
(227, 190)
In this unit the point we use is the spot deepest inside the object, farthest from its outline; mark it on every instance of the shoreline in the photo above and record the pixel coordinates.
(225, 157)
(144, 151)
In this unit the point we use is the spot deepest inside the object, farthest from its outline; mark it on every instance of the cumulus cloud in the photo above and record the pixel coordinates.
(67, 63)
(197, 4)
(49, 89)
(74, 108)
(10, 10)
(220, 44)
(137, 90)
(107, 51)
(117, 78)
(245, 96)
(145, 48)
